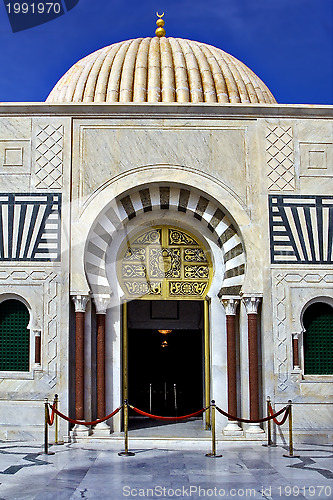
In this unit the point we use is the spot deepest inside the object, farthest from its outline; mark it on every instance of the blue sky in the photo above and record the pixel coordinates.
(287, 43)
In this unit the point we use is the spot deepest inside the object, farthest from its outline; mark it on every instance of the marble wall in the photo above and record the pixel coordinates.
(251, 161)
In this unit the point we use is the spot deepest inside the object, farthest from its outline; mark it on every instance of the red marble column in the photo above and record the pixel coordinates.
(231, 364)
(295, 352)
(100, 356)
(80, 302)
(253, 366)
(79, 365)
(101, 302)
(38, 347)
(251, 303)
(230, 305)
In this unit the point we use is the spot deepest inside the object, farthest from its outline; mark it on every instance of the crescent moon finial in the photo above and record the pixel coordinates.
(160, 23)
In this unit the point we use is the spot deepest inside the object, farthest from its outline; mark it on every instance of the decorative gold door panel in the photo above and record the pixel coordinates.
(164, 263)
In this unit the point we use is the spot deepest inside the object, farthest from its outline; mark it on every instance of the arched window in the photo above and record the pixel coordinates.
(318, 339)
(14, 336)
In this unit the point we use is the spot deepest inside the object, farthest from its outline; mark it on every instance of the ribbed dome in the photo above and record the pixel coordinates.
(160, 70)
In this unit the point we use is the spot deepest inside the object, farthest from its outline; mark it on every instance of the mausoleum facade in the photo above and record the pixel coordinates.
(159, 188)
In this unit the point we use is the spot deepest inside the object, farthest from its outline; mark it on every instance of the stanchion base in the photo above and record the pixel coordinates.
(292, 456)
(48, 453)
(270, 445)
(59, 442)
(126, 454)
(213, 455)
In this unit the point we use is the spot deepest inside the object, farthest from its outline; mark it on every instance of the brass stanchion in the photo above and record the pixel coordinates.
(270, 443)
(291, 448)
(46, 429)
(213, 454)
(56, 421)
(126, 453)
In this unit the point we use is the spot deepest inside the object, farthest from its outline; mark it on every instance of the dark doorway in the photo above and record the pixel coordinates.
(165, 371)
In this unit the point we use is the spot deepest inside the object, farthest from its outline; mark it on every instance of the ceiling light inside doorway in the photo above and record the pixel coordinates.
(164, 332)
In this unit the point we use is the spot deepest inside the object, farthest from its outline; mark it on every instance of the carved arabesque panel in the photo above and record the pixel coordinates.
(164, 262)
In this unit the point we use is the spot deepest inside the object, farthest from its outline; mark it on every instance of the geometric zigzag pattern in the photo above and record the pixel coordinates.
(30, 227)
(187, 200)
(301, 229)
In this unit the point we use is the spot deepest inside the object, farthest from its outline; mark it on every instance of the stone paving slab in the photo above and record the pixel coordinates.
(94, 471)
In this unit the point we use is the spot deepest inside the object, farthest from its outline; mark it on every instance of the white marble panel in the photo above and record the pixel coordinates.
(15, 128)
(106, 152)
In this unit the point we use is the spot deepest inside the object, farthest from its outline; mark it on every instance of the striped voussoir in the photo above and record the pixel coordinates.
(187, 200)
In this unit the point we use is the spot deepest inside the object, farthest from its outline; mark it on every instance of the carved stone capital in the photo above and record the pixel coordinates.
(80, 302)
(251, 302)
(230, 304)
(102, 303)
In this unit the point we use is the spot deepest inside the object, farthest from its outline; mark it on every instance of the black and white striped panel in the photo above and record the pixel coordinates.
(30, 227)
(165, 197)
(301, 229)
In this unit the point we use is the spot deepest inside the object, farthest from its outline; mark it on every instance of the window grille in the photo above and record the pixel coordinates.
(318, 339)
(14, 336)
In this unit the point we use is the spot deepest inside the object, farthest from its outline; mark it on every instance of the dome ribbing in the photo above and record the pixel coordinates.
(160, 70)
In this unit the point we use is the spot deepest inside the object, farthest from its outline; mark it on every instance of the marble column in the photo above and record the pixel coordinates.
(230, 305)
(251, 302)
(80, 302)
(101, 304)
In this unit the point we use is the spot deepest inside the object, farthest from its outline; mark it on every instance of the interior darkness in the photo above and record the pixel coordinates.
(175, 372)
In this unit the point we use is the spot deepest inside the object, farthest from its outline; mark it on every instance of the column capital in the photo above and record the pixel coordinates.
(251, 302)
(102, 303)
(230, 304)
(80, 302)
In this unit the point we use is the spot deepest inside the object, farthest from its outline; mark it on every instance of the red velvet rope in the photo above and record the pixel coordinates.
(82, 422)
(50, 420)
(273, 416)
(158, 417)
(231, 417)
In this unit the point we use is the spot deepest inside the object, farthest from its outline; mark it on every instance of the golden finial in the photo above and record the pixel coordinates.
(160, 23)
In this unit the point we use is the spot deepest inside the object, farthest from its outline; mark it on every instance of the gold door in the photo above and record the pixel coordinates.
(164, 263)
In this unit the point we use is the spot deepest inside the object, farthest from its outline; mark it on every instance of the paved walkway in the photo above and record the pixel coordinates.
(95, 471)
